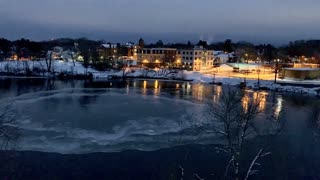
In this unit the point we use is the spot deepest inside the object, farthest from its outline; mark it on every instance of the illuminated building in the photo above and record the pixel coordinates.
(196, 59)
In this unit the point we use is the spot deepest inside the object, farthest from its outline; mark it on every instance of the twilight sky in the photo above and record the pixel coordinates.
(258, 21)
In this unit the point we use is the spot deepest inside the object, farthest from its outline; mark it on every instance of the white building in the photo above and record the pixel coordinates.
(109, 45)
(222, 57)
(196, 59)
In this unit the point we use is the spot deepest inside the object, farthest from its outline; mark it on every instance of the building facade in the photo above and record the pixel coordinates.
(107, 52)
(196, 59)
(158, 57)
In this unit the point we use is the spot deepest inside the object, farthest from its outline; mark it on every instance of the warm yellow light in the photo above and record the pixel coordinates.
(80, 58)
(156, 84)
(145, 61)
(144, 84)
(157, 61)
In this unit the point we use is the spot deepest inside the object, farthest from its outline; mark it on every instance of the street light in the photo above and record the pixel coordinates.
(276, 70)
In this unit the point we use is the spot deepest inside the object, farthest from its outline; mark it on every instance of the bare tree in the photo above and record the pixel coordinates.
(49, 60)
(9, 132)
(234, 119)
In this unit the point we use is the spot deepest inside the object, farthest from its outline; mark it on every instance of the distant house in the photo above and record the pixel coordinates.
(67, 55)
(107, 51)
(12, 54)
(222, 57)
(57, 53)
(130, 44)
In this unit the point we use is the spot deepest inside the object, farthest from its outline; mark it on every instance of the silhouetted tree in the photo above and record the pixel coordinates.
(5, 46)
(159, 43)
(141, 43)
(189, 44)
(228, 46)
(270, 53)
(203, 44)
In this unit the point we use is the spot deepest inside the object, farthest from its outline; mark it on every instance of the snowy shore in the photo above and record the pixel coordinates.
(39, 68)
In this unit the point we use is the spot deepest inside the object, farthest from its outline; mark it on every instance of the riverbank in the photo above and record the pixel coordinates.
(75, 70)
(254, 84)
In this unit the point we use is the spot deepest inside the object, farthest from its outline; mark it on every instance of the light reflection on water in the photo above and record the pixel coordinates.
(258, 97)
(278, 107)
(156, 115)
(201, 92)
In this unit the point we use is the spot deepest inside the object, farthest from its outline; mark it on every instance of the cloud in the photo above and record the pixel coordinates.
(178, 19)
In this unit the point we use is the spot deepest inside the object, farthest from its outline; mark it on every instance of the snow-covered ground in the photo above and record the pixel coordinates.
(40, 68)
(253, 83)
(21, 67)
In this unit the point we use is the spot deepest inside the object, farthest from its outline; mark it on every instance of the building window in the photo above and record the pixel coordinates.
(183, 52)
(178, 52)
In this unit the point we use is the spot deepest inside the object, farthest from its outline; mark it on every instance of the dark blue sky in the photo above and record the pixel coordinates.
(258, 21)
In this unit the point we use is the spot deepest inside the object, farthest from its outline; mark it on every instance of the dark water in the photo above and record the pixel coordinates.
(80, 117)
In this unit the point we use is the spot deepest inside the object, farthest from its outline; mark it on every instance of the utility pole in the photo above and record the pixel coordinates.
(276, 70)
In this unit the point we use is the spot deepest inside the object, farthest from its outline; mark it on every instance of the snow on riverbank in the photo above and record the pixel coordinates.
(253, 83)
(76, 68)
(22, 67)
(40, 68)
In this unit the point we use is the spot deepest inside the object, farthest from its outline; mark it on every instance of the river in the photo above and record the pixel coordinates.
(79, 117)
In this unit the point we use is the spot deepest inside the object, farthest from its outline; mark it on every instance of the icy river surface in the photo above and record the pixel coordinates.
(83, 117)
